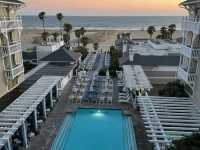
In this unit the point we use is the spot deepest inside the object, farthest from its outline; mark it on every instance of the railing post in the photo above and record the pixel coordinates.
(24, 134)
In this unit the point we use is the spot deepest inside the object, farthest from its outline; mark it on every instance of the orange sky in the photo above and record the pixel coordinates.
(105, 7)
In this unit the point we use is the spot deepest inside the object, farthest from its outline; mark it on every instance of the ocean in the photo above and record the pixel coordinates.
(106, 22)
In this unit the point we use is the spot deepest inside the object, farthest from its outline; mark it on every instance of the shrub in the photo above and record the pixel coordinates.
(102, 72)
(173, 89)
(187, 143)
(83, 51)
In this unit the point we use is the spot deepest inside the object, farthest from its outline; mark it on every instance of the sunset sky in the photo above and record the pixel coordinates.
(105, 7)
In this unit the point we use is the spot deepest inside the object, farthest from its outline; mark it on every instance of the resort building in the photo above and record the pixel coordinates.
(189, 66)
(11, 62)
(146, 47)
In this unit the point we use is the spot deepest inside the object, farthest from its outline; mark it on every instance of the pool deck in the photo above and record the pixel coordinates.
(51, 126)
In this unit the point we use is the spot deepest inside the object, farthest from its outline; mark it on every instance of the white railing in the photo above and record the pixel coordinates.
(10, 23)
(190, 52)
(187, 77)
(15, 71)
(186, 51)
(191, 24)
(12, 48)
(191, 19)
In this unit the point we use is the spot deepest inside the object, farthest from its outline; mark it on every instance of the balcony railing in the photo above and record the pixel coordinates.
(191, 24)
(12, 48)
(190, 52)
(10, 23)
(187, 77)
(15, 71)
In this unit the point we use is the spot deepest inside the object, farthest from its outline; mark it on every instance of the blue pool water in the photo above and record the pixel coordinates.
(92, 129)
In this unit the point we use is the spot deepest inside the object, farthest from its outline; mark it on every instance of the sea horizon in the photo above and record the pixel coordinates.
(104, 22)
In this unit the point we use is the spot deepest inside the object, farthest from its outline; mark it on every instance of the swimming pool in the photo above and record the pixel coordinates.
(94, 129)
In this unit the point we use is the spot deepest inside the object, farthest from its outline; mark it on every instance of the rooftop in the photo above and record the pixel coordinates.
(62, 55)
(51, 69)
(151, 60)
(12, 1)
(154, 47)
(29, 55)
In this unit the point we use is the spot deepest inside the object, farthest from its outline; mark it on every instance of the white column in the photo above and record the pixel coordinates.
(9, 144)
(24, 134)
(51, 98)
(35, 120)
(139, 93)
(44, 108)
(57, 92)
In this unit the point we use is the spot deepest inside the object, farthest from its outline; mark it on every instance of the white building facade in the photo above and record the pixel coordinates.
(189, 67)
(11, 61)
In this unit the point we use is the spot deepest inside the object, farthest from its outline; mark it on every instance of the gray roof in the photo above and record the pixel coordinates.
(12, 1)
(62, 55)
(152, 60)
(57, 69)
(52, 69)
(29, 55)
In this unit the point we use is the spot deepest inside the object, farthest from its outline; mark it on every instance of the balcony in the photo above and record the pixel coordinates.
(191, 24)
(11, 49)
(187, 77)
(190, 52)
(14, 72)
(10, 23)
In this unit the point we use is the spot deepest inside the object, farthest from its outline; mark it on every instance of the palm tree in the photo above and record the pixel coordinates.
(151, 30)
(60, 18)
(42, 17)
(128, 36)
(67, 29)
(96, 46)
(164, 32)
(83, 31)
(55, 35)
(84, 41)
(44, 36)
(172, 29)
(78, 35)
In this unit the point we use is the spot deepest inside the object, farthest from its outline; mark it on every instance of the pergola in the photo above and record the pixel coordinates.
(16, 114)
(168, 118)
(135, 78)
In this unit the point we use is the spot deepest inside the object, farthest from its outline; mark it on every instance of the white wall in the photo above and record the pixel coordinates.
(66, 80)
(158, 46)
(131, 56)
(43, 51)
(125, 48)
